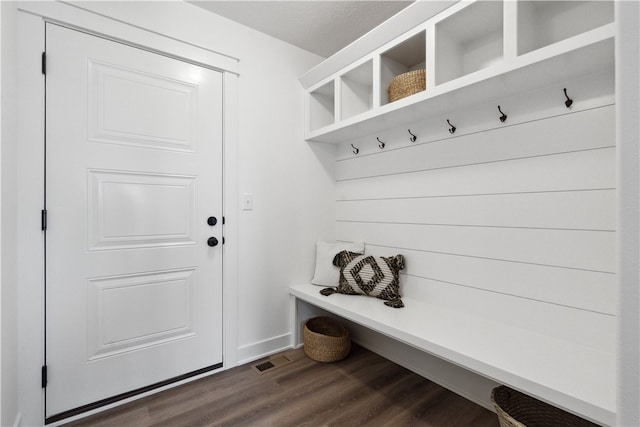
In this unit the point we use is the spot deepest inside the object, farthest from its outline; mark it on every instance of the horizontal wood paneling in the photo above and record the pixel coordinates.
(591, 210)
(562, 172)
(590, 129)
(579, 326)
(516, 224)
(586, 290)
(586, 250)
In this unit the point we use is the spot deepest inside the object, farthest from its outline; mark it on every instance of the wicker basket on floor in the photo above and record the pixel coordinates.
(325, 340)
(407, 84)
(516, 409)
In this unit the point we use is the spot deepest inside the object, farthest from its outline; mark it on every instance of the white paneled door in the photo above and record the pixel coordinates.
(133, 184)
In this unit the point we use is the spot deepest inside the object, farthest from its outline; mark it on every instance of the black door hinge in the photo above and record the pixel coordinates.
(43, 219)
(44, 376)
(44, 63)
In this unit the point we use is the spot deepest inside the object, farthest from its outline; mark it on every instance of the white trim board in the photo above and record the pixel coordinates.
(258, 350)
(73, 16)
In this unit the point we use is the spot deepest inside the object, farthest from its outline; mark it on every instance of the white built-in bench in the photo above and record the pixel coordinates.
(571, 376)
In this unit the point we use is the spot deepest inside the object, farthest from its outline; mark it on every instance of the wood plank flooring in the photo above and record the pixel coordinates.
(362, 390)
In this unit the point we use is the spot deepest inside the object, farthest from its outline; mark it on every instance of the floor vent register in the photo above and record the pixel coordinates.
(272, 363)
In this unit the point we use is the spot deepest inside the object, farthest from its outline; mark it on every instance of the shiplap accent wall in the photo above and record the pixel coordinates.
(514, 222)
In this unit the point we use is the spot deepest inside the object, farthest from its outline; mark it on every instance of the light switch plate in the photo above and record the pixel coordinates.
(247, 202)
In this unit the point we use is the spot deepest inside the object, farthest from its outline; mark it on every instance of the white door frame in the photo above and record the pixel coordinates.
(31, 127)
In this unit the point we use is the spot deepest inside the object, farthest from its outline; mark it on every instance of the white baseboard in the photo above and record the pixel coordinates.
(249, 353)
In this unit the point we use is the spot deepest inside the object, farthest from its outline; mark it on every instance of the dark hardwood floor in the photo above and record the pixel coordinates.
(364, 389)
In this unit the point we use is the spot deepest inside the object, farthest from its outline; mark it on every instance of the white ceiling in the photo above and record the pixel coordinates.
(319, 26)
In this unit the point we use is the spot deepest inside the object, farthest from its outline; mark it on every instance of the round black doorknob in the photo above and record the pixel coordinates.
(212, 241)
(212, 220)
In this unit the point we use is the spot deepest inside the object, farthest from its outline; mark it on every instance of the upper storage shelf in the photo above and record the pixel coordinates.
(469, 40)
(471, 51)
(543, 23)
(405, 56)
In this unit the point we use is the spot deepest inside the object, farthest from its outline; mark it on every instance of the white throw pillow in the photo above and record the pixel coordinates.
(326, 273)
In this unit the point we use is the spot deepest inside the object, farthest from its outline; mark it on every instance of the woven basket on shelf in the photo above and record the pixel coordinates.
(407, 84)
(325, 339)
(516, 409)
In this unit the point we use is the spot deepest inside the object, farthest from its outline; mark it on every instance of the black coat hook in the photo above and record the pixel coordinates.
(503, 117)
(452, 129)
(569, 101)
(412, 138)
(355, 149)
(381, 145)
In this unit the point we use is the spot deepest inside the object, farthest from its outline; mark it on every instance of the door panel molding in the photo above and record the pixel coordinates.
(111, 329)
(157, 95)
(111, 223)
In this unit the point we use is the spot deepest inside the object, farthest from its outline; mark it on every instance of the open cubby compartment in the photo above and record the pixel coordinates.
(322, 106)
(542, 23)
(404, 56)
(356, 91)
(469, 40)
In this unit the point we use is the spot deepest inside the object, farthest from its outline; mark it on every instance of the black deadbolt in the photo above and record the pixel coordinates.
(212, 220)
(212, 241)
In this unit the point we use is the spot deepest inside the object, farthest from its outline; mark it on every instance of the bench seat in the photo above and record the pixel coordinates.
(571, 376)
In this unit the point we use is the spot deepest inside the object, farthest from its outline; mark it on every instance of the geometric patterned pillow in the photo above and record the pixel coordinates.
(368, 275)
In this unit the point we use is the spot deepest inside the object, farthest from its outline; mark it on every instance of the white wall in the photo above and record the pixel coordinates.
(291, 181)
(9, 285)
